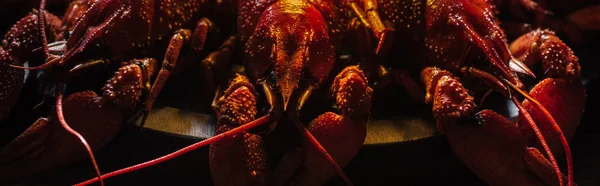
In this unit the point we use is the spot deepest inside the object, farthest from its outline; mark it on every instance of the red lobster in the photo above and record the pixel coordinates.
(449, 39)
(289, 51)
(16, 50)
(109, 30)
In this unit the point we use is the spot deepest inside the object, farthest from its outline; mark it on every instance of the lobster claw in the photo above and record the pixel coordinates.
(240, 159)
(496, 151)
(565, 101)
(520, 67)
(16, 49)
(562, 93)
(46, 145)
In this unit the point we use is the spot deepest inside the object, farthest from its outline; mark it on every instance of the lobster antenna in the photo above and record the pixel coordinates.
(216, 138)
(538, 133)
(43, 97)
(484, 97)
(556, 128)
(63, 123)
(42, 28)
(42, 66)
(312, 140)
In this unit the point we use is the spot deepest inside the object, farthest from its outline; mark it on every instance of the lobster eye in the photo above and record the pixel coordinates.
(67, 34)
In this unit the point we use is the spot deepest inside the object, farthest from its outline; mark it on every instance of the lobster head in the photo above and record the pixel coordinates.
(290, 43)
(451, 23)
(91, 27)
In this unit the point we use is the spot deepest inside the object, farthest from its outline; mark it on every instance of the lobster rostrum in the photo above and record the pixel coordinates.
(105, 31)
(289, 52)
(449, 40)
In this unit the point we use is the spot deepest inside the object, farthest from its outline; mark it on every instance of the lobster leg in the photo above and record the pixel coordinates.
(494, 149)
(204, 27)
(204, 35)
(560, 112)
(370, 18)
(359, 36)
(402, 78)
(216, 65)
(341, 134)
(377, 72)
(181, 37)
(171, 55)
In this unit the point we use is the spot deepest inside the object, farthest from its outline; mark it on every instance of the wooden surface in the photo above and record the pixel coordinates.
(201, 126)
